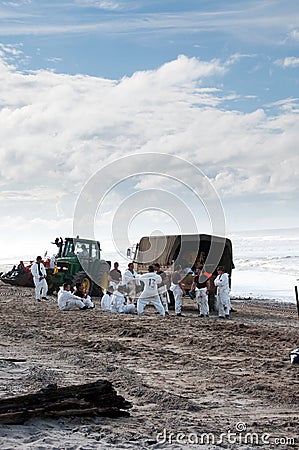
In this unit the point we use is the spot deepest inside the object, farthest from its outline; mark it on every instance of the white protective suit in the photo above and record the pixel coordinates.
(130, 281)
(67, 301)
(38, 272)
(223, 290)
(178, 297)
(150, 293)
(118, 304)
(106, 302)
(53, 262)
(201, 289)
(203, 301)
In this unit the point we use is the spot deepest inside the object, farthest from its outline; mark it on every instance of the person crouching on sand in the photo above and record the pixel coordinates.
(67, 300)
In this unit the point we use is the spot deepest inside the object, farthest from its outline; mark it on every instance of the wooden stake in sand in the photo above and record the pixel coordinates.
(297, 300)
(98, 398)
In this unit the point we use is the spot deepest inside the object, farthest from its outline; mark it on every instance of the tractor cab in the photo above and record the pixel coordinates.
(84, 248)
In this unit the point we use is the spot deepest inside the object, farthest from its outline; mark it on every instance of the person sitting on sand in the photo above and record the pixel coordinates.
(150, 294)
(118, 302)
(223, 290)
(106, 301)
(80, 291)
(67, 300)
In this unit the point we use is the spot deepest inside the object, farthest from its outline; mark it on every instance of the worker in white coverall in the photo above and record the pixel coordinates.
(150, 294)
(130, 280)
(39, 278)
(53, 262)
(162, 288)
(223, 290)
(106, 301)
(201, 286)
(178, 291)
(118, 303)
(67, 300)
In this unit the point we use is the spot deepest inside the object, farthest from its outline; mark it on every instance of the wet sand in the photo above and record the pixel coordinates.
(187, 376)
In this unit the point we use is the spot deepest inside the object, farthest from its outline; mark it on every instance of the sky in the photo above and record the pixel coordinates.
(94, 92)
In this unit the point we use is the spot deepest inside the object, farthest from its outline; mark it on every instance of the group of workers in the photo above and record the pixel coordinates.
(157, 286)
(153, 288)
(66, 298)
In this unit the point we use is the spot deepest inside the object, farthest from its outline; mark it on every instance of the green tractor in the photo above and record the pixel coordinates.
(78, 260)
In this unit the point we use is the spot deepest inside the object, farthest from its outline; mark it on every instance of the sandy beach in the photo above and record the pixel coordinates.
(186, 377)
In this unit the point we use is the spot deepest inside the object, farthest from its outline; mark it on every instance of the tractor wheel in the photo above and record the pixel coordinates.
(81, 277)
(51, 288)
(97, 291)
(52, 282)
(100, 270)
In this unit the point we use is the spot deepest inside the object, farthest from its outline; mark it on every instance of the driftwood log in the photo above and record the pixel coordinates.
(98, 399)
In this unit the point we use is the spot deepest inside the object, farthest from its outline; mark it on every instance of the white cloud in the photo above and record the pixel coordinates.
(54, 59)
(11, 54)
(289, 61)
(294, 35)
(235, 58)
(290, 104)
(57, 130)
(105, 5)
(17, 3)
(9, 49)
(261, 23)
(24, 239)
(29, 195)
